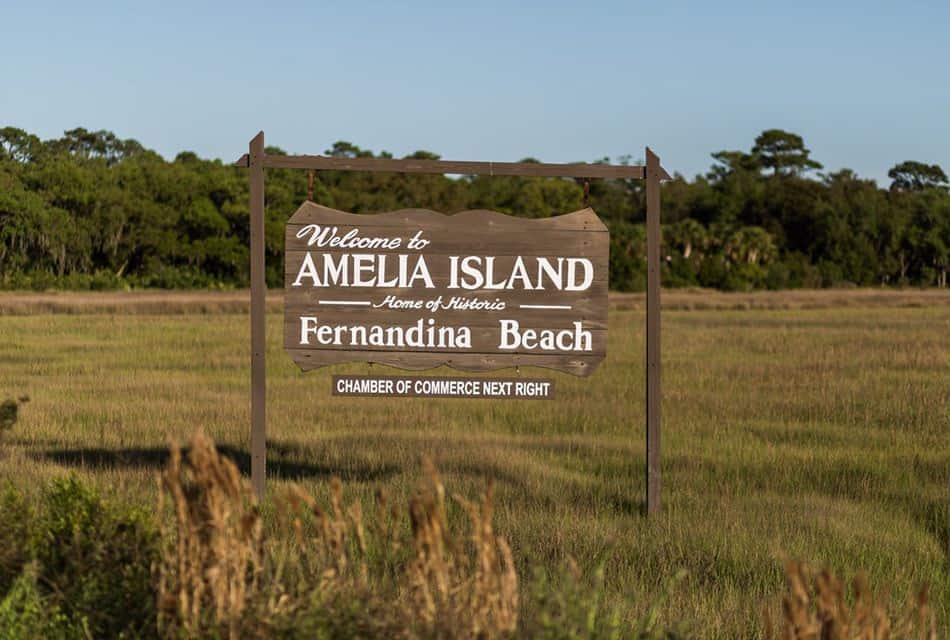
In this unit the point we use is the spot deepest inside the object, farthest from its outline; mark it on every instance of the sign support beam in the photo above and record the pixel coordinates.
(652, 173)
(653, 332)
(441, 167)
(258, 319)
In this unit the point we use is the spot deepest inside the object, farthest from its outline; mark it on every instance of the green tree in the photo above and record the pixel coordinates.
(18, 145)
(750, 245)
(783, 152)
(917, 176)
(91, 209)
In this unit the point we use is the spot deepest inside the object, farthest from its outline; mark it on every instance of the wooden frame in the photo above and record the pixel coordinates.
(478, 234)
(256, 161)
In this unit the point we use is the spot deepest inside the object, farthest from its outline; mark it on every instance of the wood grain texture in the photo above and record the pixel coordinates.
(586, 310)
(523, 169)
(535, 303)
(582, 220)
(258, 320)
(578, 365)
(653, 398)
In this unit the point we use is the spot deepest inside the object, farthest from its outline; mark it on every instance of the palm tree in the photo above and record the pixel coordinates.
(688, 238)
(750, 245)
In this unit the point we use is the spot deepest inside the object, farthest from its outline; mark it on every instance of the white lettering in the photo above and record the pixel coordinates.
(307, 270)
(363, 262)
(514, 337)
(308, 325)
(327, 236)
(571, 274)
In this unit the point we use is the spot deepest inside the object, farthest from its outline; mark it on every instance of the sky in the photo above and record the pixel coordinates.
(865, 83)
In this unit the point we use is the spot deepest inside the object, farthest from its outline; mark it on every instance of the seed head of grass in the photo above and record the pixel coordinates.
(817, 606)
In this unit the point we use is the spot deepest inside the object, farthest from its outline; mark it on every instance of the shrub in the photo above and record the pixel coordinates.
(777, 276)
(95, 560)
(16, 517)
(801, 272)
(628, 267)
(574, 606)
(713, 272)
(26, 614)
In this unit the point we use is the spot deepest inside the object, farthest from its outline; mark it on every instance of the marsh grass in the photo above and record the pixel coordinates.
(88, 568)
(818, 606)
(212, 565)
(150, 301)
(822, 433)
(339, 575)
(220, 576)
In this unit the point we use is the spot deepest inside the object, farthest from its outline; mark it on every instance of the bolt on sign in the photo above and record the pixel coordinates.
(417, 289)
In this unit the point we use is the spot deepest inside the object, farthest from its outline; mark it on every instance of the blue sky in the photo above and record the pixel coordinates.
(865, 83)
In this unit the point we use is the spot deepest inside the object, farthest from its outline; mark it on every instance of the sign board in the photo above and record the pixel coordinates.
(443, 387)
(416, 289)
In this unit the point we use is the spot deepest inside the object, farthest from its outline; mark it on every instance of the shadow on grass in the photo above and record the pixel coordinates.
(283, 461)
(296, 461)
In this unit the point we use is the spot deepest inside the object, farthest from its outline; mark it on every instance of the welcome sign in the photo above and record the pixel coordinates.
(417, 289)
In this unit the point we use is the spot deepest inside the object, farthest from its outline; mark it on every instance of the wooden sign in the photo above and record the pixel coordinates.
(416, 289)
(443, 387)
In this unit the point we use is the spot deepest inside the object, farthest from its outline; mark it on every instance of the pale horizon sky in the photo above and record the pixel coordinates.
(860, 81)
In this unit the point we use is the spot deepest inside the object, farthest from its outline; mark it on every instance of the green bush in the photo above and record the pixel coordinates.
(678, 271)
(628, 257)
(26, 614)
(95, 559)
(16, 516)
(75, 281)
(801, 272)
(713, 272)
(165, 276)
(777, 276)
(575, 606)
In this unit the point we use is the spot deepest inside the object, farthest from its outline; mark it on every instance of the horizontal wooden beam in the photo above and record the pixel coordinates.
(526, 169)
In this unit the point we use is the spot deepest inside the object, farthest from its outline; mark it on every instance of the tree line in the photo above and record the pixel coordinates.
(92, 211)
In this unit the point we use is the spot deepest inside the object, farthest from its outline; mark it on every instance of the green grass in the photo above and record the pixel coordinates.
(824, 434)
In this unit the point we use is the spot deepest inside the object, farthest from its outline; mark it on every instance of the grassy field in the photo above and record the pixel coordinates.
(823, 433)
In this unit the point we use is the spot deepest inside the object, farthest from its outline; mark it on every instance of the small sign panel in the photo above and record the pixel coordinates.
(416, 289)
(444, 387)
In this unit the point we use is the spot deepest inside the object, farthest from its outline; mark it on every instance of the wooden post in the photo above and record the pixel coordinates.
(653, 331)
(256, 161)
(258, 337)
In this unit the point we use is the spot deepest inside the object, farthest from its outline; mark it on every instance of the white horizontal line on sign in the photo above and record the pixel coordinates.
(359, 303)
(545, 306)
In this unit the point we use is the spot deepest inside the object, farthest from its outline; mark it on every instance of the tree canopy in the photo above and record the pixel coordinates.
(91, 210)
(783, 152)
(917, 176)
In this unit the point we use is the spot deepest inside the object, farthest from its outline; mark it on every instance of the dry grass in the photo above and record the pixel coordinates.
(238, 301)
(213, 563)
(220, 576)
(450, 592)
(131, 302)
(823, 433)
(818, 607)
(712, 300)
